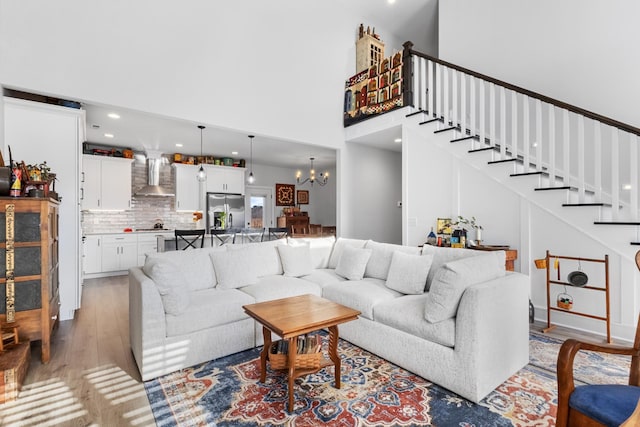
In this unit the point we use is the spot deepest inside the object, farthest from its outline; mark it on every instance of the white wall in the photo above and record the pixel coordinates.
(370, 187)
(578, 51)
(322, 200)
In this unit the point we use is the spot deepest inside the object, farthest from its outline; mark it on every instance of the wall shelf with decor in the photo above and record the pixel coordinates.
(578, 279)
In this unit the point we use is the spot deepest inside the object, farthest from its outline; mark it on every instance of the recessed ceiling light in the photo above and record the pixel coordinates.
(108, 135)
(235, 153)
(397, 140)
(627, 187)
(178, 145)
(114, 115)
(391, 1)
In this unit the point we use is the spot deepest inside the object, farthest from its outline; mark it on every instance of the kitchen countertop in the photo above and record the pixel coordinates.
(138, 231)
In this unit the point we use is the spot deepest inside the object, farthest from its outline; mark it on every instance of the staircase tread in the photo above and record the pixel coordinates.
(552, 188)
(415, 113)
(464, 138)
(435, 119)
(477, 150)
(492, 162)
(526, 173)
(635, 243)
(617, 222)
(585, 204)
(445, 129)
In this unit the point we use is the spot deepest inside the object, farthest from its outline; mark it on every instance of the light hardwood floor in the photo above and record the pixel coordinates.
(92, 378)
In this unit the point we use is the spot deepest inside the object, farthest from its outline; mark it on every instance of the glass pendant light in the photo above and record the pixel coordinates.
(251, 179)
(202, 174)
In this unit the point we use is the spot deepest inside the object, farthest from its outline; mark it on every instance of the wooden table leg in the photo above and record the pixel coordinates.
(333, 353)
(264, 354)
(291, 359)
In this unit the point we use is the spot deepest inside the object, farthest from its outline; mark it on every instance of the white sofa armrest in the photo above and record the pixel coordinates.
(492, 329)
(147, 326)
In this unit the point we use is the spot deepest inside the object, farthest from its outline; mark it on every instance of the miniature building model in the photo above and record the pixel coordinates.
(369, 49)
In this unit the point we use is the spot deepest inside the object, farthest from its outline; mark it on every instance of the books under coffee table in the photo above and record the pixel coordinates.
(295, 317)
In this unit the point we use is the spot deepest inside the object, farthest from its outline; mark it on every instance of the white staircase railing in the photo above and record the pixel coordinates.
(597, 157)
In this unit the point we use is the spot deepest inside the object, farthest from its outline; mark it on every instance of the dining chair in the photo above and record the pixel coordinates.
(276, 233)
(598, 404)
(223, 236)
(189, 238)
(251, 235)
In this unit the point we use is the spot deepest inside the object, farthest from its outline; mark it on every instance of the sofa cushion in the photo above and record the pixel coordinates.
(407, 314)
(381, 254)
(323, 277)
(441, 256)
(171, 284)
(339, 246)
(265, 259)
(353, 262)
(360, 295)
(194, 264)
(209, 308)
(296, 260)
(234, 269)
(321, 248)
(408, 273)
(454, 277)
(275, 287)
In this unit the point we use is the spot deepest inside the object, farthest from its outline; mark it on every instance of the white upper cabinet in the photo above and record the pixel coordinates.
(225, 179)
(187, 187)
(106, 183)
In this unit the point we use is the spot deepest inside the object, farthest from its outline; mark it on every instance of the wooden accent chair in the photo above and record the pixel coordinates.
(598, 404)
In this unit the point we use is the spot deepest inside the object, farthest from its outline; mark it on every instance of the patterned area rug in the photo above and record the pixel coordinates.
(227, 392)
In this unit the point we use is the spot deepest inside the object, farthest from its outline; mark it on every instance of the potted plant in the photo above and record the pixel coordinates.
(464, 223)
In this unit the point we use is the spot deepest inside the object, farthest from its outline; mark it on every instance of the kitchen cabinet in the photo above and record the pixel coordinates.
(187, 187)
(224, 179)
(106, 183)
(119, 252)
(91, 255)
(148, 243)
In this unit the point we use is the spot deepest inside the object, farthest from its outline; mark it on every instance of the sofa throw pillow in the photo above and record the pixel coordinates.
(233, 269)
(454, 277)
(353, 262)
(339, 246)
(381, 255)
(171, 285)
(296, 260)
(408, 273)
(441, 256)
(265, 256)
(320, 247)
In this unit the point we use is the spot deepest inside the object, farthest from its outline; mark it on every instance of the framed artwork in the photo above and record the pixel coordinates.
(303, 197)
(285, 195)
(444, 226)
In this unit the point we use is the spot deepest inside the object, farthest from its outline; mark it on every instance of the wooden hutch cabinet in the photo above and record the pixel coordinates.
(35, 268)
(298, 222)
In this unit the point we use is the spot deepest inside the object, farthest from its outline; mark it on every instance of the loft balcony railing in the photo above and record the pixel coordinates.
(573, 148)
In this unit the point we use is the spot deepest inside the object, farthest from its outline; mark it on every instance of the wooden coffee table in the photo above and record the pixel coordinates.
(294, 316)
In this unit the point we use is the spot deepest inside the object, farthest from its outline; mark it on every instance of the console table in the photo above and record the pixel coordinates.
(510, 254)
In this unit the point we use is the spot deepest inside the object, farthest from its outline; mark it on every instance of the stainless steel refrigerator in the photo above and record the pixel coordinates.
(225, 211)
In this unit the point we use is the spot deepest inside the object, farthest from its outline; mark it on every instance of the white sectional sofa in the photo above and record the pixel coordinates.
(452, 316)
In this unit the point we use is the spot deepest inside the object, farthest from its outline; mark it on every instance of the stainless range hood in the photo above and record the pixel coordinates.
(153, 188)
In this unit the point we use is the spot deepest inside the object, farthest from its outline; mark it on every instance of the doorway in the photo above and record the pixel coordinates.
(259, 205)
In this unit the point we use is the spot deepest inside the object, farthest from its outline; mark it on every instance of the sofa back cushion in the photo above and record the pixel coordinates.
(321, 248)
(339, 246)
(234, 269)
(296, 260)
(408, 273)
(171, 284)
(441, 256)
(454, 277)
(265, 258)
(194, 264)
(381, 254)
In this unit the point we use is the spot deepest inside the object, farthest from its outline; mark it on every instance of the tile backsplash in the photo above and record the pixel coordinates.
(145, 211)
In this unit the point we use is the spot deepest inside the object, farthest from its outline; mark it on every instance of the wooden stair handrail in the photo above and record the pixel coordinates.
(408, 90)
